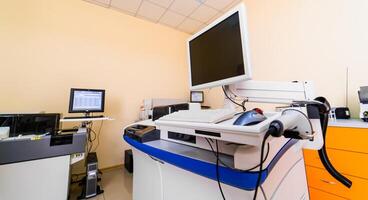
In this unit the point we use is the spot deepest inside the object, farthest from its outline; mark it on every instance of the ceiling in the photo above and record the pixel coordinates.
(185, 15)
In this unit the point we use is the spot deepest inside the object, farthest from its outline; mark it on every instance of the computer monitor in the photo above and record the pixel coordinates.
(219, 53)
(86, 100)
(30, 124)
(196, 96)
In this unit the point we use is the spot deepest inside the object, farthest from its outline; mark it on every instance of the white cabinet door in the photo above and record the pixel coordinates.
(147, 180)
(42, 179)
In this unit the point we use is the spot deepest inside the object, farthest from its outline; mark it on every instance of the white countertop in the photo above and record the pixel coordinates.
(351, 123)
(86, 119)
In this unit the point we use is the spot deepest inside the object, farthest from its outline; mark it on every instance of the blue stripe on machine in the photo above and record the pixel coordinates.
(236, 178)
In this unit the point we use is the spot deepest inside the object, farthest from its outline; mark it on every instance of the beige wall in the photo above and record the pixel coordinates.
(49, 46)
(310, 40)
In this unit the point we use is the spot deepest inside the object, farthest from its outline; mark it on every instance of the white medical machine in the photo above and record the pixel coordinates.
(240, 154)
(35, 159)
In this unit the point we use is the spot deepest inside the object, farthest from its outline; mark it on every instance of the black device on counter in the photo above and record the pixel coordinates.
(128, 160)
(86, 100)
(165, 110)
(30, 124)
(341, 112)
(142, 133)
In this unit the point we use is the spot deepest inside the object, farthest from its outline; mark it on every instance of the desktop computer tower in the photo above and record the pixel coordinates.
(92, 189)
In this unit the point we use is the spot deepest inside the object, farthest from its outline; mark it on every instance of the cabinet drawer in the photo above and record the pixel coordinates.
(320, 195)
(345, 162)
(351, 139)
(321, 179)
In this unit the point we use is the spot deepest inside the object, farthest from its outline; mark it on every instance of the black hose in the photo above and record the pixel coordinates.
(322, 152)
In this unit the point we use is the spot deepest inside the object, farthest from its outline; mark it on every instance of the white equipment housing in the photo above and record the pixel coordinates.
(274, 92)
(277, 92)
(241, 143)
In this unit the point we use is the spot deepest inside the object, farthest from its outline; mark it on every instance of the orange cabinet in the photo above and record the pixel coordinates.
(318, 194)
(347, 149)
(349, 163)
(349, 139)
(321, 179)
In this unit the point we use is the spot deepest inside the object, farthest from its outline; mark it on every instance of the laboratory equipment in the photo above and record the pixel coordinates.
(200, 156)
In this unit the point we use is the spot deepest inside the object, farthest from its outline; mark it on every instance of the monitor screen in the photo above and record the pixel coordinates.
(196, 96)
(29, 124)
(37, 124)
(217, 55)
(86, 100)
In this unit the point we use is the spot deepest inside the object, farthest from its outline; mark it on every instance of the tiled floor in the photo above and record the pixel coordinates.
(116, 183)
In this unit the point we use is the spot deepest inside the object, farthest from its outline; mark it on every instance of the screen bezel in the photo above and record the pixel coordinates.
(246, 58)
(71, 100)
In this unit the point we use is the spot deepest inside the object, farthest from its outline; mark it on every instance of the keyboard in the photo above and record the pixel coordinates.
(84, 117)
(200, 116)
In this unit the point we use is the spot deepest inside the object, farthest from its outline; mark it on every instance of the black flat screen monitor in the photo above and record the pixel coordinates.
(30, 124)
(86, 100)
(218, 54)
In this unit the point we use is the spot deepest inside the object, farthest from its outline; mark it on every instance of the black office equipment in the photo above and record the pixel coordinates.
(30, 124)
(86, 100)
(91, 187)
(142, 133)
(128, 160)
(341, 112)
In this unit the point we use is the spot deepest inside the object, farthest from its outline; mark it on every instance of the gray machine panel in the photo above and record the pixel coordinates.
(18, 150)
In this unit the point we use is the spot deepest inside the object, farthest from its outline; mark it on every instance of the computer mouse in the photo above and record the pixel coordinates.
(249, 118)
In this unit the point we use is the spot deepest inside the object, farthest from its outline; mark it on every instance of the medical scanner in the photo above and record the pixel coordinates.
(231, 153)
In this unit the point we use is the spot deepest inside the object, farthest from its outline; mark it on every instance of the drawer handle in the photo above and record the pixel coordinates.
(328, 182)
